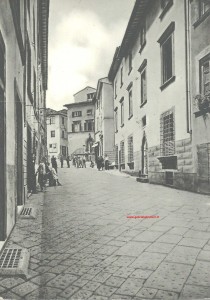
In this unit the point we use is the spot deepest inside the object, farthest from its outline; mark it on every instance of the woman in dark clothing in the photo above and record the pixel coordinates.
(54, 164)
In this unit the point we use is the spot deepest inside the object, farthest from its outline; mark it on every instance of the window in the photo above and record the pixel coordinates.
(53, 133)
(130, 100)
(204, 7)
(122, 112)
(28, 5)
(2, 64)
(164, 3)
(115, 88)
(52, 148)
(167, 67)
(144, 121)
(165, 6)
(143, 78)
(143, 35)
(62, 120)
(205, 75)
(143, 87)
(89, 125)
(34, 28)
(76, 114)
(89, 112)
(167, 55)
(52, 120)
(130, 62)
(121, 76)
(63, 134)
(167, 133)
(76, 126)
(90, 96)
(122, 152)
(116, 119)
(29, 73)
(18, 7)
(130, 149)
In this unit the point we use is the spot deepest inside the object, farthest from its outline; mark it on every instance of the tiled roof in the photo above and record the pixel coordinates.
(52, 112)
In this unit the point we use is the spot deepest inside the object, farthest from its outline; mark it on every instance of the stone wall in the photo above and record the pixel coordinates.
(184, 177)
(203, 156)
(184, 156)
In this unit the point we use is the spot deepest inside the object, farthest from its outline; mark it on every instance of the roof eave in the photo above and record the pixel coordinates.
(44, 22)
(129, 36)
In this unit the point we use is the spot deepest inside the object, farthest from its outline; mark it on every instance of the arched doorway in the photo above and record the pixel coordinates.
(144, 151)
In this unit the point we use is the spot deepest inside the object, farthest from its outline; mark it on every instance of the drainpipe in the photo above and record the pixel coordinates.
(188, 65)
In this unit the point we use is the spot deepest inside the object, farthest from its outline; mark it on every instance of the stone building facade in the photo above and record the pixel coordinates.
(81, 122)
(57, 133)
(23, 85)
(104, 120)
(153, 75)
(200, 90)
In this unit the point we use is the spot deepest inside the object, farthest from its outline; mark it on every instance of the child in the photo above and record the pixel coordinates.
(55, 178)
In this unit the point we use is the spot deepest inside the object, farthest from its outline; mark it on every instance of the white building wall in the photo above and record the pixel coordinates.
(174, 95)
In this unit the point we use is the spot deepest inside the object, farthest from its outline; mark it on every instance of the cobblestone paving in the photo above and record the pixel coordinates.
(83, 246)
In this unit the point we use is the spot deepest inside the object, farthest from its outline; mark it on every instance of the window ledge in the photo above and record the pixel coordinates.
(202, 18)
(169, 81)
(143, 103)
(122, 125)
(130, 117)
(165, 9)
(202, 112)
(130, 71)
(142, 47)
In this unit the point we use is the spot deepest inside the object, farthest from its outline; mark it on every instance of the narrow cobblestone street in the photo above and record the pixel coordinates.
(83, 246)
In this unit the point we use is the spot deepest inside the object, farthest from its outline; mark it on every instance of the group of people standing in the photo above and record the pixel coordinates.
(79, 162)
(47, 172)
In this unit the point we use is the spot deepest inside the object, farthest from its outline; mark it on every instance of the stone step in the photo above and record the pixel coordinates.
(142, 178)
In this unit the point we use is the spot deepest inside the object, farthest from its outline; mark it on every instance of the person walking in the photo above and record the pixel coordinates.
(41, 174)
(68, 161)
(61, 160)
(100, 163)
(83, 161)
(106, 162)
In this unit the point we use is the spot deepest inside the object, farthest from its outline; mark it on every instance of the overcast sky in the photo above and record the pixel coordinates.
(83, 35)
